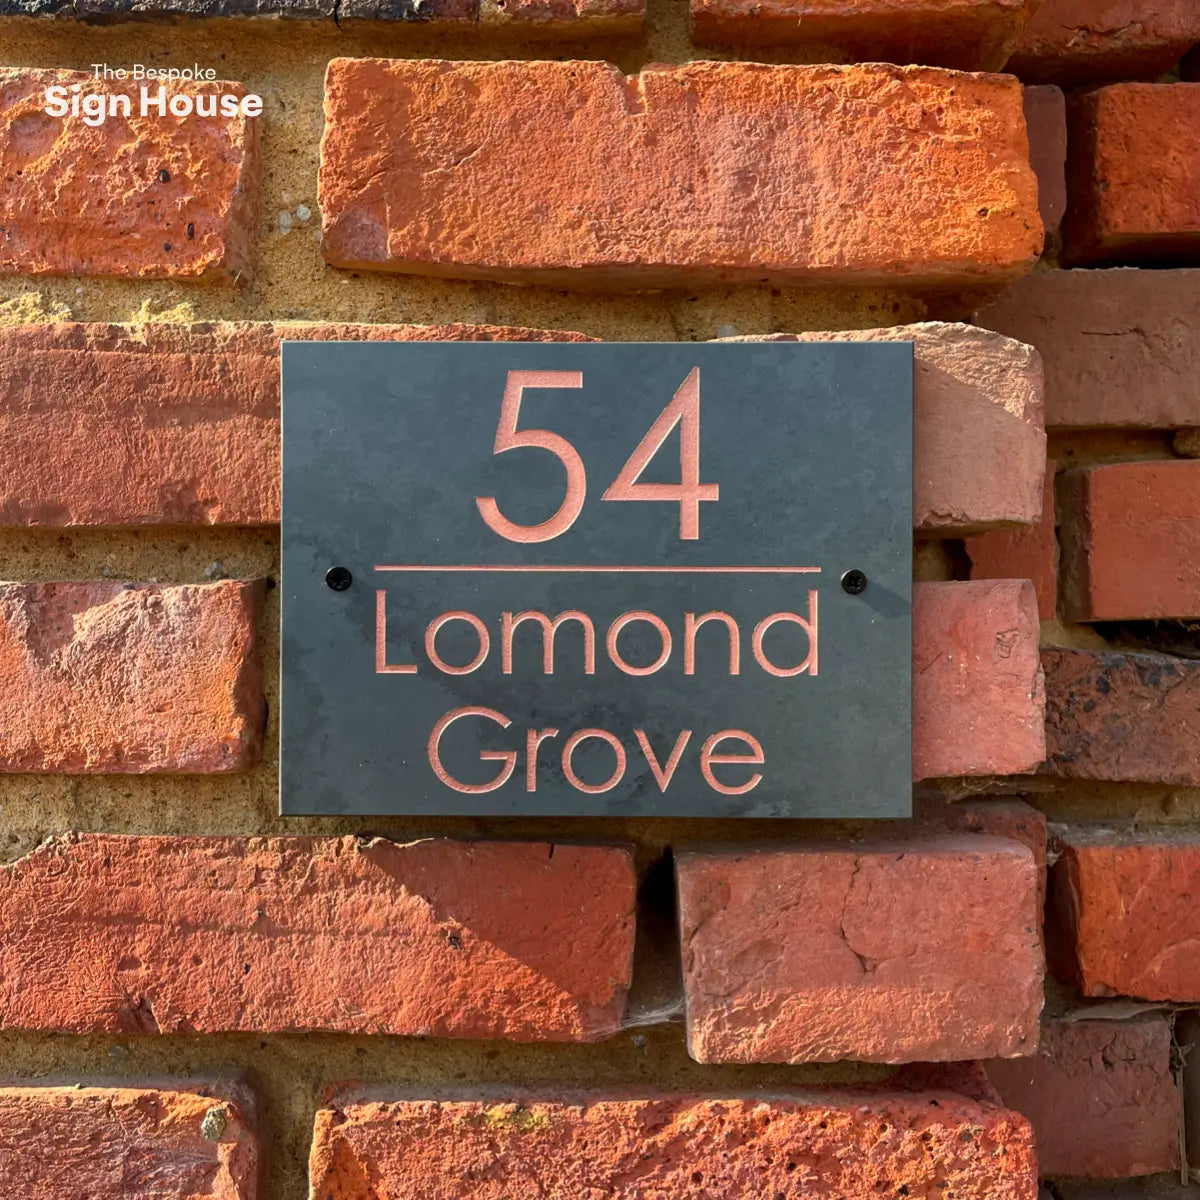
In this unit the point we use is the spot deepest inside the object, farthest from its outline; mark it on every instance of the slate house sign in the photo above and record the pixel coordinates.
(643, 579)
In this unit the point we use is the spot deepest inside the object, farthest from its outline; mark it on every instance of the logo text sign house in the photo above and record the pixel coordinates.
(597, 579)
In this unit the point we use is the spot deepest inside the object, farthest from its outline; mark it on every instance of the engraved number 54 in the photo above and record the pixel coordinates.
(683, 410)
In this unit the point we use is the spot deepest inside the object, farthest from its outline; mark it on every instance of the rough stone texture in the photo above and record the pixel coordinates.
(1131, 541)
(922, 950)
(1123, 916)
(826, 1144)
(1120, 348)
(1133, 175)
(1100, 1096)
(978, 441)
(575, 17)
(159, 424)
(972, 35)
(978, 698)
(143, 197)
(129, 678)
(1046, 119)
(1093, 41)
(174, 1142)
(708, 172)
(1028, 553)
(1118, 716)
(523, 941)
(1001, 817)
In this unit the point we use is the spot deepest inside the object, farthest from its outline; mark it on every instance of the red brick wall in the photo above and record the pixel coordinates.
(200, 1000)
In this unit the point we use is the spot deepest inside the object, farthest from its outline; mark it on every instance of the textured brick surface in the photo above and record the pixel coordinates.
(1131, 540)
(143, 197)
(1122, 716)
(1089, 41)
(1120, 348)
(524, 941)
(573, 16)
(971, 35)
(181, 1142)
(827, 1145)
(978, 698)
(922, 950)
(1124, 918)
(679, 175)
(115, 677)
(1046, 119)
(1133, 175)
(160, 424)
(978, 441)
(1002, 817)
(1030, 552)
(1100, 1096)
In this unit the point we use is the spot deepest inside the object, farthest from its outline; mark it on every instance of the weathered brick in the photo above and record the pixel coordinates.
(971, 35)
(1131, 540)
(926, 949)
(139, 197)
(978, 441)
(524, 941)
(573, 17)
(1133, 174)
(978, 699)
(706, 172)
(1027, 553)
(173, 1142)
(1093, 41)
(1122, 716)
(1002, 816)
(823, 1144)
(159, 424)
(1121, 348)
(129, 678)
(1046, 119)
(1100, 1096)
(1123, 917)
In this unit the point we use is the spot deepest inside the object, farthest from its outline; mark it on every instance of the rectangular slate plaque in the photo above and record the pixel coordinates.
(597, 579)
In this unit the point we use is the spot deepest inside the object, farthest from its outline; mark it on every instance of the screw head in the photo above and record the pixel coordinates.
(854, 582)
(338, 578)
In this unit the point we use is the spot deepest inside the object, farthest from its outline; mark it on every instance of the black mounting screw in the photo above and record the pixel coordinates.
(854, 582)
(339, 578)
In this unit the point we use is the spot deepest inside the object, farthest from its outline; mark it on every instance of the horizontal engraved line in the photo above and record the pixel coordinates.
(578, 570)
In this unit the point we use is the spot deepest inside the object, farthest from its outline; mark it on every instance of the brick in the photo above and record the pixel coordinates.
(978, 441)
(173, 1142)
(572, 17)
(145, 197)
(523, 941)
(1131, 540)
(704, 173)
(129, 678)
(978, 699)
(1095, 41)
(1100, 1096)
(71, 388)
(1123, 918)
(1132, 717)
(1133, 175)
(1004, 817)
(823, 1144)
(1026, 553)
(1046, 119)
(971, 35)
(916, 950)
(159, 424)
(1121, 348)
